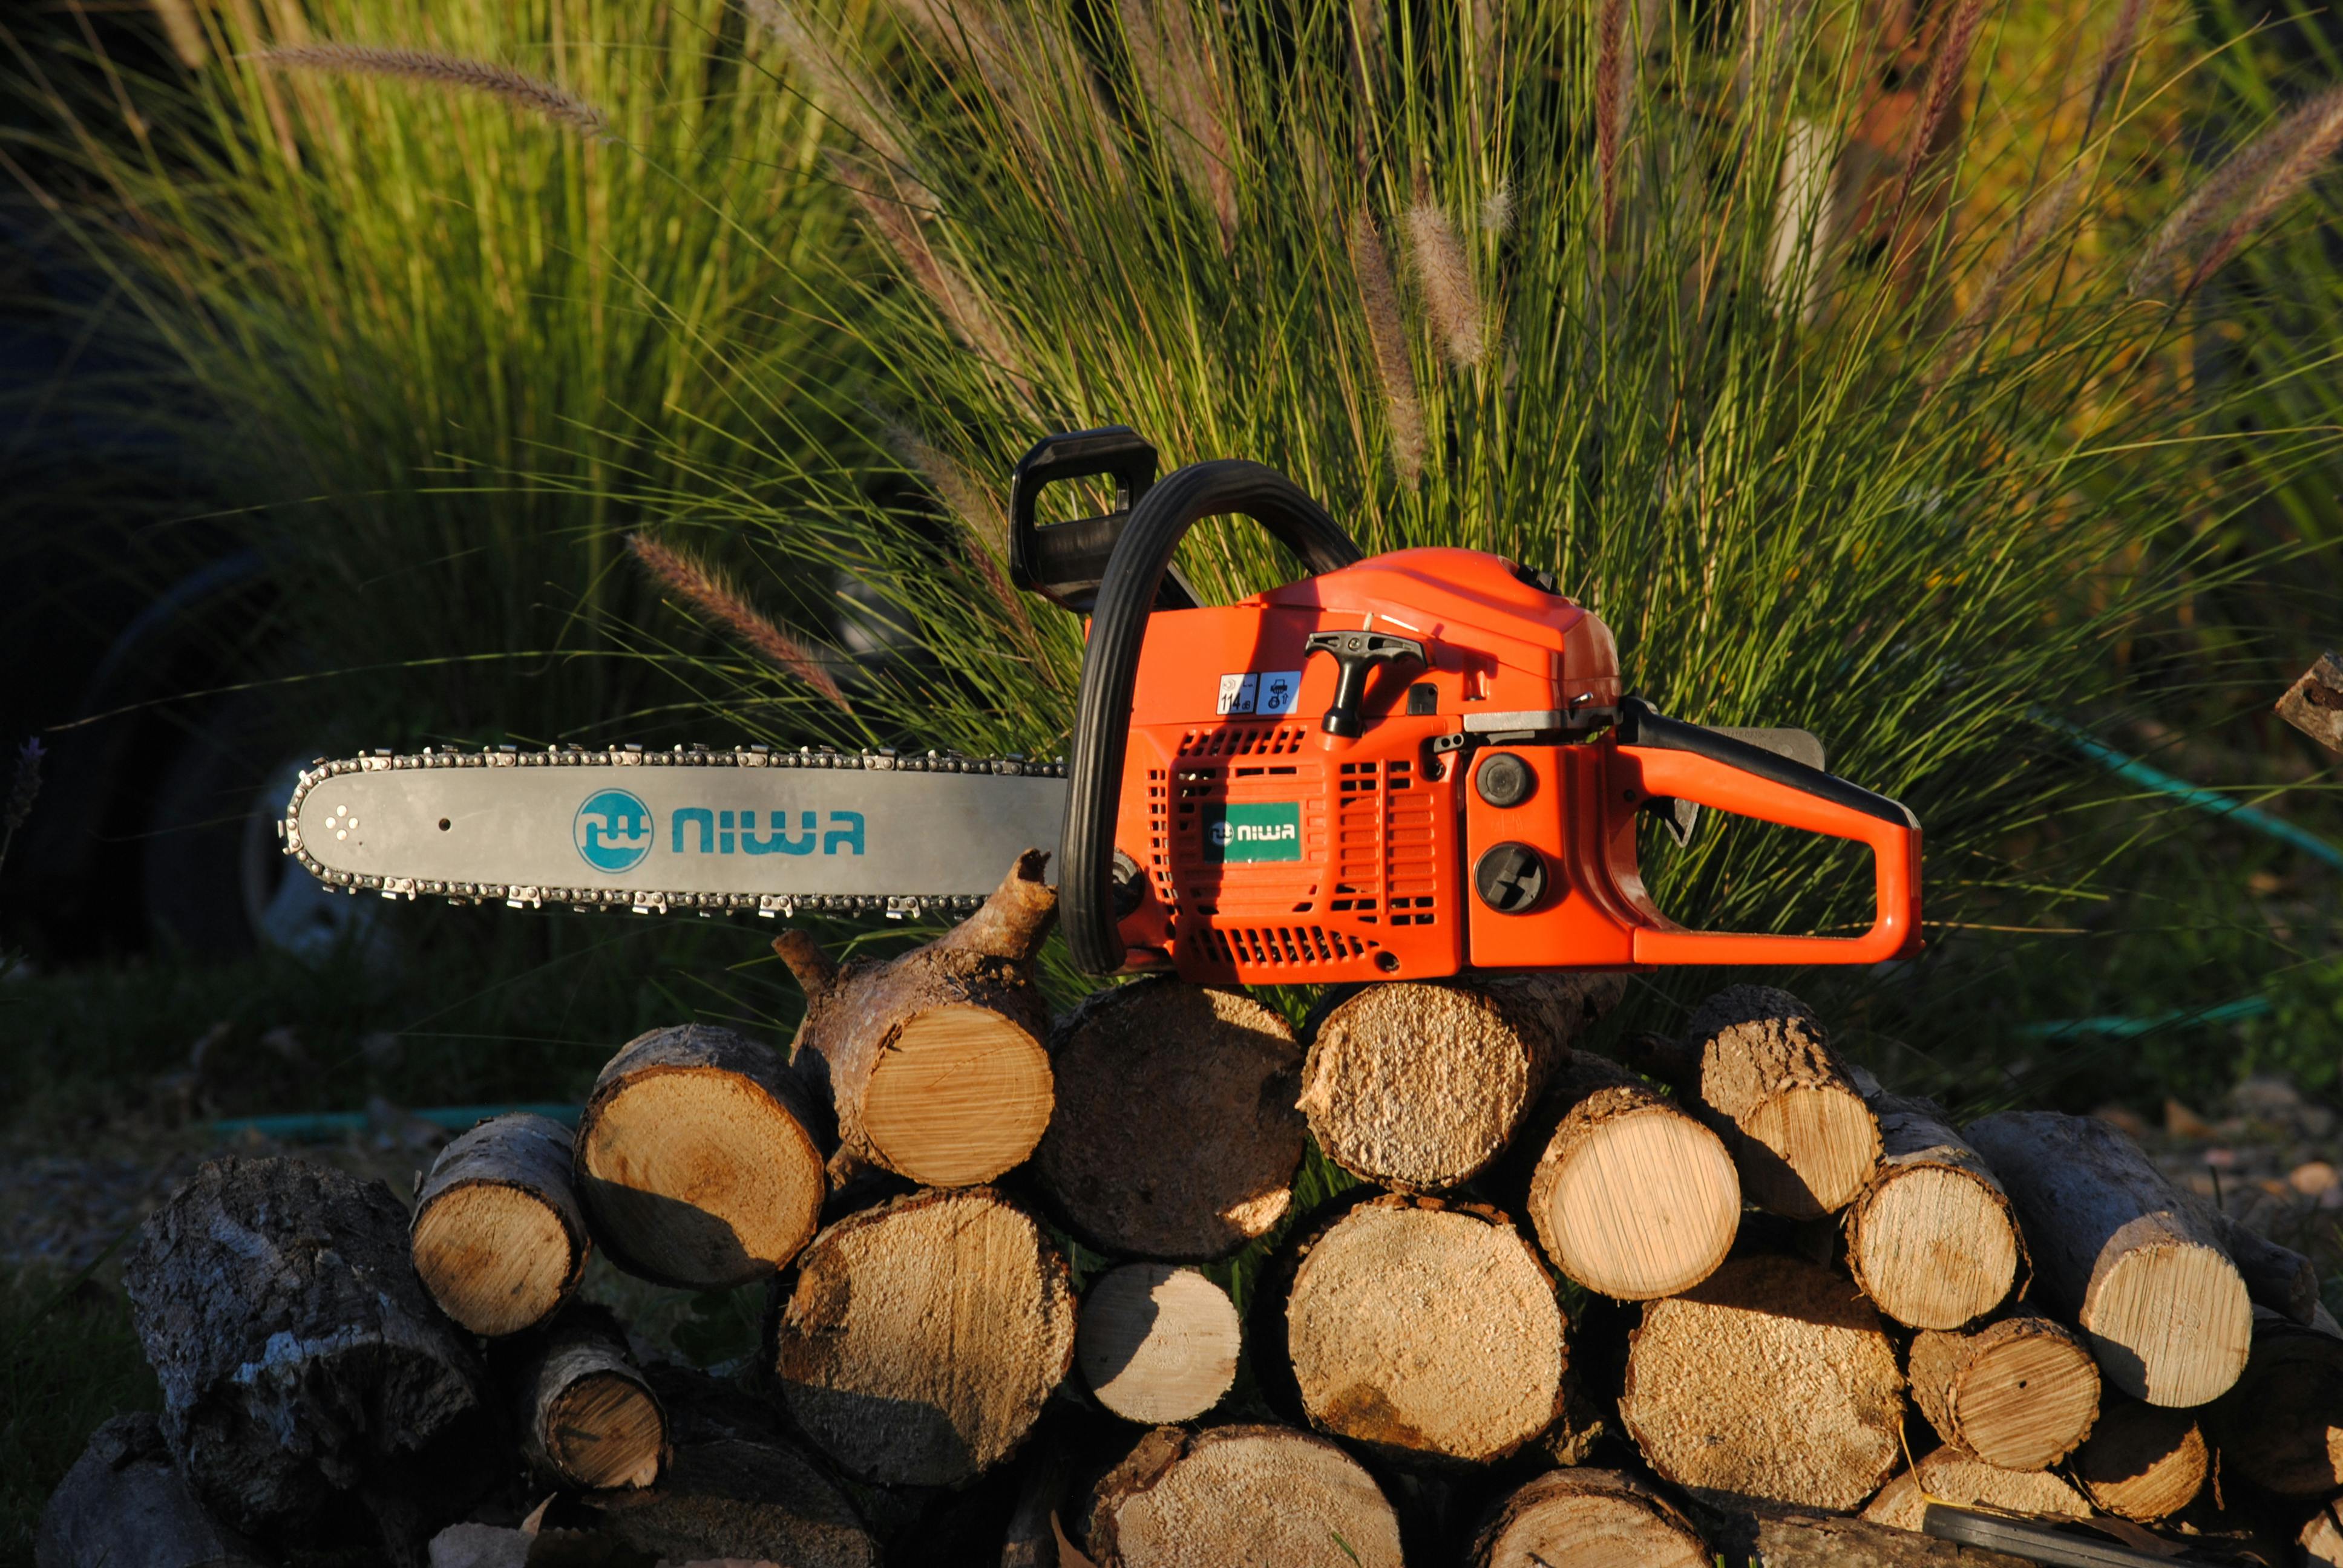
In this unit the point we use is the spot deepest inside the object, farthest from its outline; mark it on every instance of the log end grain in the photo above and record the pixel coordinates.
(2020, 1393)
(922, 1124)
(1949, 1476)
(1632, 1198)
(2170, 1321)
(1176, 1135)
(1770, 1381)
(1934, 1246)
(921, 1338)
(1588, 1519)
(1156, 1344)
(1241, 1497)
(2322, 1538)
(2281, 1428)
(496, 1258)
(1805, 1142)
(2143, 1461)
(1472, 1378)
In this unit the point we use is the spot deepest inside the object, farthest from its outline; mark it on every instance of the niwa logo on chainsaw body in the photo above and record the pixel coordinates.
(1243, 832)
(614, 831)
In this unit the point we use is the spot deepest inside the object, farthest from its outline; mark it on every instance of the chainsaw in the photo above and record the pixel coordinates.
(1391, 769)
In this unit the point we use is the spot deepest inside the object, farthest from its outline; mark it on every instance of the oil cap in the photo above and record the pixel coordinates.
(1510, 878)
(1503, 779)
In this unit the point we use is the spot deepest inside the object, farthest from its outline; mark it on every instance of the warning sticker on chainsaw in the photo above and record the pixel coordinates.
(1242, 832)
(1269, 691)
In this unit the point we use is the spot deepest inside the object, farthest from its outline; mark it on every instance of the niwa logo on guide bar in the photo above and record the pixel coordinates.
(614, 830)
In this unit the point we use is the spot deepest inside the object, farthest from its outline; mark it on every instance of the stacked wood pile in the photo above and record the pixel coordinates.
(1718, 1295)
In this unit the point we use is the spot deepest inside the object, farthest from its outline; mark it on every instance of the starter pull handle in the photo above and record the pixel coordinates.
(1355, 653)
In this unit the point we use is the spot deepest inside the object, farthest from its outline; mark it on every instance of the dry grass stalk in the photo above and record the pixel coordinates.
(559, 105)
(1379, 297)
(2114, 55)
(1610, 107)
(1948, 68)
(984, 528)
(1444, 273)
(2041, 218)
(183, 30)
(1803, 247)
(1497, 211)
(975, 37)
(2213, 195)
(1185, 89)
(721, 602)
(961, 303)
(2321, 133)
(849, 97)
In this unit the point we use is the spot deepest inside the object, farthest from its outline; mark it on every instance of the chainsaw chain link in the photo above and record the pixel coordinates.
(587, 900)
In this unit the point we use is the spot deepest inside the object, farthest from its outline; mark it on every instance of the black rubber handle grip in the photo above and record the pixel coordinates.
(1059, 562)
(1110, 666)
(1640, 726)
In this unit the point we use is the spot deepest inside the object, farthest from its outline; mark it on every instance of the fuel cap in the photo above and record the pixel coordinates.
(1503, 779)
(1510, 878)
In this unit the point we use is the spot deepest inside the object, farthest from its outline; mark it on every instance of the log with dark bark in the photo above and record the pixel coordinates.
(1630, 1197)
(2020, 1393)
(1932, 1239)
(308, 1379)
(1426, 1328)
(1176, 1135)
(1949, 1476)
(935, 1059)
(921, 1338)
(498, 1237)
(122, 1504)
(700, 1159)
(1772, 1380)
(2143, 1461)
(2280, 1429)
(1587, 1519)
(1157, 1343)
(2276, 1277)
(1756, 1060)
(1418, 1086)
(1781, 1538)
(2116, 1253)
(1240, 1497)
(588, 1416)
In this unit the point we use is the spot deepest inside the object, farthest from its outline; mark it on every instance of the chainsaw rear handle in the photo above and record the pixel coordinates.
(1661, 756)
(1126, 594)
(1065, 561)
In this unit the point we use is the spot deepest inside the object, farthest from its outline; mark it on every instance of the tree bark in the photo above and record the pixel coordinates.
(123, 1503)
(1632, 1198)
(1932, 1239)
(1240, 1497)
(498, 1238)
(588, 1417)
(2020, 1393)
(308, 1379)
(1587, 1519)
(1780, 1097)
(1176, 1135)
(1949, 1476)
(2119, 1254)
(2142, 1462)
(1770, 1381)
(1420, 1085)
(934, 1060)
(1157, 1344)
(1772, 1538)
(2280, 1429)
(921, 1338)
(2276, 1277)
(1426, 1328)
(698, 1159)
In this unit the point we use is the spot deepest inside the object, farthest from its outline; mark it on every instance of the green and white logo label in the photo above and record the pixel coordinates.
(1266, 831)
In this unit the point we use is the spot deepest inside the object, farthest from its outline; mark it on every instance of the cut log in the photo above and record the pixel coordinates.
(2020, 1393)
(2116, 1253)
(934, 1060)
(1240, 1497)
(1932, 1240)
(1157, 1344)
(1418, 1085)
(123, 1503)
(1779, 1538)
(1588, 1519)
(697, 1159)
(1632, 1198)
(1427, 1328)
(2143, 1461)
(2280, 1429)
(498, 1237)
(2279, 1277)
(1789, 1112)
(921, 1338)
(2322, 1538)
(1176, 1135)
(588, 1417)
(308, 1379)
(1770, 1381)
(1950, 1476)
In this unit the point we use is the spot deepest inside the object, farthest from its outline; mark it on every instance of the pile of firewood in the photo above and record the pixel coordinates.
(1722, 1297)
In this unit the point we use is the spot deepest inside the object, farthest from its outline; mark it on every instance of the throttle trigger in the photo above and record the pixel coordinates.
(1356, 652)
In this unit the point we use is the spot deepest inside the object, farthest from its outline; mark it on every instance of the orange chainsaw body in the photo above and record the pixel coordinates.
(1271, 851)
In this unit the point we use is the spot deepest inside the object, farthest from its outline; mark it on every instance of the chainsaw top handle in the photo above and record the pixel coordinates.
(1126, 594)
